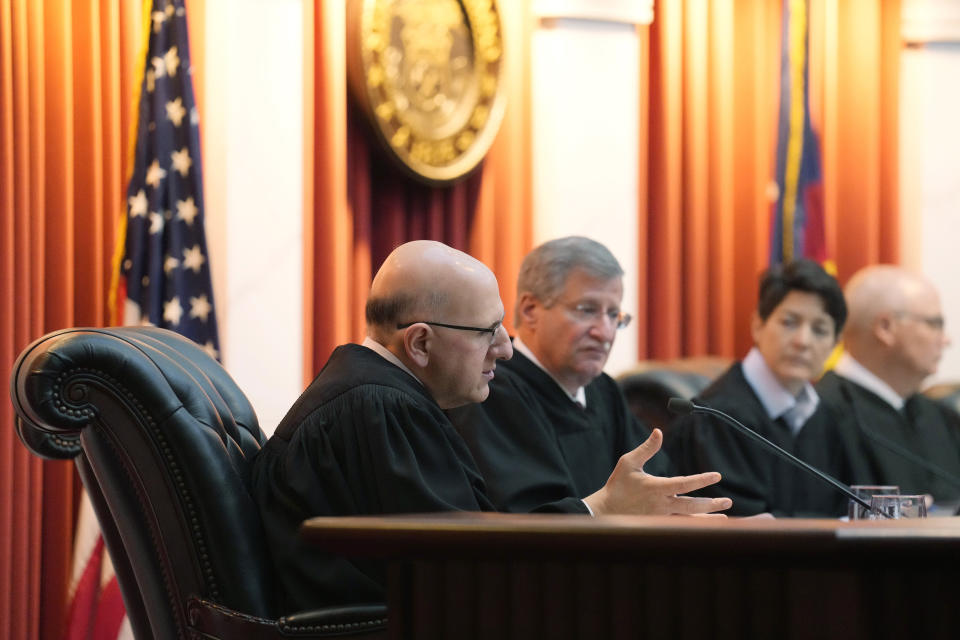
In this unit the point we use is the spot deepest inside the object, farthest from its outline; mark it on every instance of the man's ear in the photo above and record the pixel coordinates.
(417, 340)
(528, 308)
(884, 329)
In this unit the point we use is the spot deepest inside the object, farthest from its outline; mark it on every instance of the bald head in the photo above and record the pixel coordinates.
(895, 328)
(880, 290)
(439, 311)
(422, 280)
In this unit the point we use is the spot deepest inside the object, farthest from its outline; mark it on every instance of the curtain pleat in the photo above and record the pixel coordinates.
(361, 215)
(7, 205)
(500, 231)
(331, 305)
(859, 46)
(708, 151)
(65, 91)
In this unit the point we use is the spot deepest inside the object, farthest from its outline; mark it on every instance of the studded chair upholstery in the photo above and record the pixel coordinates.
(163, 440)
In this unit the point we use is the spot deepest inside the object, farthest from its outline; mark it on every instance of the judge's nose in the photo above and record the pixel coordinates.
(803, 335)
(603, 328)
(502, 348)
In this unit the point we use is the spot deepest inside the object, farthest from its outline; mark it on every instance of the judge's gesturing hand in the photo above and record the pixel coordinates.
(629, 490)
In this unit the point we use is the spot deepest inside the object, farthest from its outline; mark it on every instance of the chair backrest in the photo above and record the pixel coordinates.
(651, 383)
(163, 439)
(947, 393)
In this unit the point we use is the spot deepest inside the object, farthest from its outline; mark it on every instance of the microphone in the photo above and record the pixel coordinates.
(682, 407)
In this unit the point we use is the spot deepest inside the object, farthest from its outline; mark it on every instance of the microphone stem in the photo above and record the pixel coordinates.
(750, 433)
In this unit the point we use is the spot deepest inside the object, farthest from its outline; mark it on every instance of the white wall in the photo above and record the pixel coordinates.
(930, 156)
(585, 101)
(253, 179)
(930, 178)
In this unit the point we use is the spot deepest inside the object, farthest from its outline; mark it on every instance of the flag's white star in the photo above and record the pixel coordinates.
(155, 174)
(138, 204)
(209, 348)
(151, 80)
(200, 307)
(194, 116)
(159, 69)
(158, 17)
(169, 264)
(156, 222)
(171, 61)
(186, 210)
(175, 111)
(181, 161)
(193, 258)
(172, 311)
(169, 9)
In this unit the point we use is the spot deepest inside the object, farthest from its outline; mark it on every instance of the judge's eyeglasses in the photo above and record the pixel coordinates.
(491, 330)
(934, 322)
(586, 312)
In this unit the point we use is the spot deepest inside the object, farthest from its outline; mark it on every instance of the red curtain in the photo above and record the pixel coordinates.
(65, 92)
(363, 206)
(710, 91)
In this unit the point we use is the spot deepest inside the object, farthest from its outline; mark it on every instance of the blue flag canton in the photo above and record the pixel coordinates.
(165, 265)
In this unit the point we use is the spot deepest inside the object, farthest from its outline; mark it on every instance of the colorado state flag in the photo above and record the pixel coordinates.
(797, 228)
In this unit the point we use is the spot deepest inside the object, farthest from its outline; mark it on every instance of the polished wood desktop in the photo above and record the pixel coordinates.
(471, 575)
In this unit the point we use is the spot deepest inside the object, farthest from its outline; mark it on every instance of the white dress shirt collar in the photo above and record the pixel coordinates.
(776, 400)
(849, 368)
(387, 355)
(580, 396)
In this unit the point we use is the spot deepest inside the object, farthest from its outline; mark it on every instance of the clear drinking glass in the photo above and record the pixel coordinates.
(857, 511)
(898, 506)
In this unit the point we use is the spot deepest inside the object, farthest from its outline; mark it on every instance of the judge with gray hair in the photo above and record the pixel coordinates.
(555, 424)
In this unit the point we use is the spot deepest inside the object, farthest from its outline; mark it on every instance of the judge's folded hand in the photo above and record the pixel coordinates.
(629, 490)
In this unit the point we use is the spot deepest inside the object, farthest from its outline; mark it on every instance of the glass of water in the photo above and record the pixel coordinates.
(898, 506)
(857, 511)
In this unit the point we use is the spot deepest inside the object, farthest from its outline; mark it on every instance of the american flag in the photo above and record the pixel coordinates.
(165, 271)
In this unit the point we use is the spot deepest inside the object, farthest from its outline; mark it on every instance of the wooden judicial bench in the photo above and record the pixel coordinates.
(471, 575)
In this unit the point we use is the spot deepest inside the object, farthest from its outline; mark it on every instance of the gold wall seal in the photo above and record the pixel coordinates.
(427, 74)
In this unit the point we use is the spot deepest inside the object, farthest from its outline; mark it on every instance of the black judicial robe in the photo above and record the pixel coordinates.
(925, 428)
(534, 444)
(753, 477)
(364, 438)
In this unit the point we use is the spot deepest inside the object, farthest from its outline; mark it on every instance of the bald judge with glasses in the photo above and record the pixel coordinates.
(893, 342)
(554, 424)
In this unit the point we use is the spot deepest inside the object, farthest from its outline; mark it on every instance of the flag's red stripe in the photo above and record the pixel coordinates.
(84, 604)
(110, 612)
(815, 234)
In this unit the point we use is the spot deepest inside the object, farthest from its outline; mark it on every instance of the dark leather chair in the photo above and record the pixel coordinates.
(163, 440)
(651, 383)
(947, 393)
